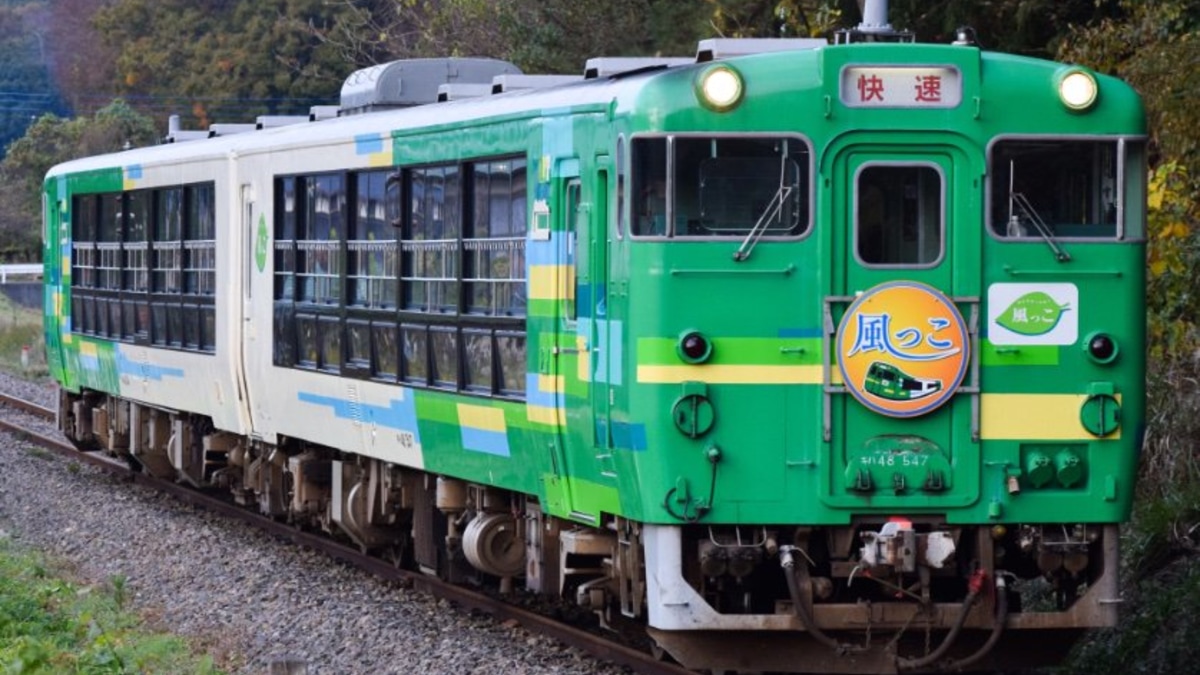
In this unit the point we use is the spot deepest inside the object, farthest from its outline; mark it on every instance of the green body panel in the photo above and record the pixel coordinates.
(62, 348)
(601, 433)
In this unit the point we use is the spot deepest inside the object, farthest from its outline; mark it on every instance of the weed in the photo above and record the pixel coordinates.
(52, 625)
(118, 581)
(22, 343)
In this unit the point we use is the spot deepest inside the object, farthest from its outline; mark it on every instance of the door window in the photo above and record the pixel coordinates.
(898, 214)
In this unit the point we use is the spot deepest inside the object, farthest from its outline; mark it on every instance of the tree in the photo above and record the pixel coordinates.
(1030, 27)
(786, 18)
(559, 36)
(226, 61)
(81, 63)
(539, 36)
(25, 87)
(49, 141)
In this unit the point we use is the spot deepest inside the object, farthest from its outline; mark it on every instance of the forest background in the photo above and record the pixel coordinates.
(79, 77)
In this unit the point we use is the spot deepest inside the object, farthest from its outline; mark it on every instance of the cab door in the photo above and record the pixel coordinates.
(902, 408)
(603, 339)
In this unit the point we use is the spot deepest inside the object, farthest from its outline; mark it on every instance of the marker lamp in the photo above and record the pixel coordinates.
(1078, 89)
(693, 347)
(720, 88)
(1101, 348)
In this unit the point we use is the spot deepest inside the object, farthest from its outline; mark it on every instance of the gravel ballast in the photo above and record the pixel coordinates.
(248, 598)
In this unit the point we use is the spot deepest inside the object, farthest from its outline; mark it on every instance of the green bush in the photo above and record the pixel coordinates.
(1157, 632)
(51, 625)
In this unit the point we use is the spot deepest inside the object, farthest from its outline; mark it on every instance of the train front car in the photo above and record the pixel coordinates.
(884, 330)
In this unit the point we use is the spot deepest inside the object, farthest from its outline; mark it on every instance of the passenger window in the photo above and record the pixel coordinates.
(898, 215)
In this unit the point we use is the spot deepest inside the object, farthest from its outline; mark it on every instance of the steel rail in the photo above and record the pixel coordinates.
(27, 406)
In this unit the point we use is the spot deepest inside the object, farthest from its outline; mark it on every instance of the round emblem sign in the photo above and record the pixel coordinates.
(902, 348)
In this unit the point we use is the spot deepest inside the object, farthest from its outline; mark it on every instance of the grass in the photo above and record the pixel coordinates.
(51, 624)
(21, 331)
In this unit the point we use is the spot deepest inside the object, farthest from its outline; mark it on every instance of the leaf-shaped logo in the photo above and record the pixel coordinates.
(1034, 313)
(262, 242)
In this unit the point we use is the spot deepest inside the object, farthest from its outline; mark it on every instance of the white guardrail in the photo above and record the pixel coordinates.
(20, 270)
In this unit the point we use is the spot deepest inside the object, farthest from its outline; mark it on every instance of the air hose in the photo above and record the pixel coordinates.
(997, 628)
(974, 586)
(801, 608)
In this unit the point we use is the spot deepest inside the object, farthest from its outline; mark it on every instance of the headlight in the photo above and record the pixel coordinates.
(720, 88)
(1078, 89)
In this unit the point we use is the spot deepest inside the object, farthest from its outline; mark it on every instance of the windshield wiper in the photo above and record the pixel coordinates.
(1030, 214)
(771, 212)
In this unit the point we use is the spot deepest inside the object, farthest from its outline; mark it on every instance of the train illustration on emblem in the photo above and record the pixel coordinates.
(887, 381)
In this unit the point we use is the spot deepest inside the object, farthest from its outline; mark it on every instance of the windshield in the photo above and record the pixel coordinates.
(1052, 188)
(702, 186)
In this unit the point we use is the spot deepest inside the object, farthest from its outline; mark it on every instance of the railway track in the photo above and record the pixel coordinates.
(593, 644)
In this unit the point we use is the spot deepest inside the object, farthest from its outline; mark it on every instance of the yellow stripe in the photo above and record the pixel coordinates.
(727, 374)
(584, 367)
(551, 383)
(552, 282)
(546, 415)
(479, 417)
(380, 158)
(88, 349)
(1045, 417)
(129, 184)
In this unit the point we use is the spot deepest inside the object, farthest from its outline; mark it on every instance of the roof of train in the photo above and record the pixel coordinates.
(598, 92)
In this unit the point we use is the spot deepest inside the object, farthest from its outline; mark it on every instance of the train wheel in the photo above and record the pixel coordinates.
(399, 554)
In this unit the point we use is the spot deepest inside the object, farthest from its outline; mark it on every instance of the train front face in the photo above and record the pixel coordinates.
(886, 318)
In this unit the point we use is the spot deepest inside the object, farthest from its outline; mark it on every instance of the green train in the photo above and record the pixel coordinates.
(611, 337)
(889, 382)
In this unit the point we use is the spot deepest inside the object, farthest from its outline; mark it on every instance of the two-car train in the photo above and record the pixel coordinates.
(809, 357)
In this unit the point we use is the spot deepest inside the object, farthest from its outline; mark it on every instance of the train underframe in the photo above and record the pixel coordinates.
(875, 596)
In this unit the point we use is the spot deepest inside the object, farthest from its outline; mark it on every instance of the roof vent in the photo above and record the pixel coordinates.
(176, 134)
(612, 66)
(317, 113)
(215, 130)
(714, 49)
(414, 81)
(272, 121)
(459, 90)
(503, 83)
